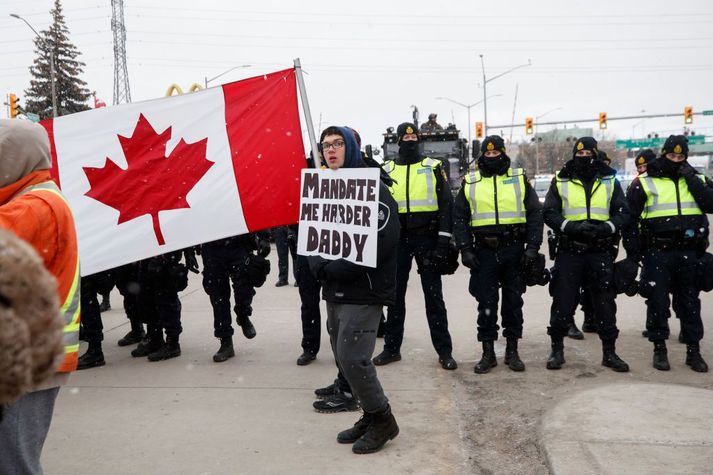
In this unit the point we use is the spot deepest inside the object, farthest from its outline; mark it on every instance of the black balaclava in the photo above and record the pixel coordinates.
(493, 165)
(409, 151)
(673, 144)
(584, 167)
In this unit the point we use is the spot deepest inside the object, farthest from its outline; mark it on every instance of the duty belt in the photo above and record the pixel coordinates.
(568, 243)
(663, 243)
(496, 241)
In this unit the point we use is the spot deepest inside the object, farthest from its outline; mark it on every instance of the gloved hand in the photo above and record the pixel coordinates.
(583, 229)
(529, 258)
(191, 261)
(603, 229)
(441, 251)
(263, 247)
(469, 258)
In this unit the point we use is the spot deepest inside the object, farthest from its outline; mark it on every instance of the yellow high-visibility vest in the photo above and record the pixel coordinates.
(574, 199)
(415, 185)
(666, 197)
(498, 199)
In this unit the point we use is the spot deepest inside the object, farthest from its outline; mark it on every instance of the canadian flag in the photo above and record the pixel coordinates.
(150, 177)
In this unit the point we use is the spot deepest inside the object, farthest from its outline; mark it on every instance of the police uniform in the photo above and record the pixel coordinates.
(586, 207)
(425, 204)
(670, 201)
(431, 125)
(495, 216)
(225, 260)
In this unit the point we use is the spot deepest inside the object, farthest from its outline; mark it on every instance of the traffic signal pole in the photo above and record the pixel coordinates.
(596, 119)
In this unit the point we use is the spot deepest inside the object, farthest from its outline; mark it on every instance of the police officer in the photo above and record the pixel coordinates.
(225, 260)
(423, 195)
(160, 280)
(286, 244)
(497, 223)
(432, 125)
(127, 282)
(585, 206)
(670, 201)
(643, 158)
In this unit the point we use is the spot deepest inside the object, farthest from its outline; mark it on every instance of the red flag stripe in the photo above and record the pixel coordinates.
(265, 136)
(48, 124)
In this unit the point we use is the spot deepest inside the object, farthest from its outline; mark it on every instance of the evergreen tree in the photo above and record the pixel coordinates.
(72, 94)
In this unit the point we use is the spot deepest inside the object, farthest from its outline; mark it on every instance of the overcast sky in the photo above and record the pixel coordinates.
(368, 62)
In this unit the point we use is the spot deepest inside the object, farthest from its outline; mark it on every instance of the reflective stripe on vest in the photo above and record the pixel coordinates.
(71, 307)
(415, 186)
(574, 200)
(662, 199)
(509, 189)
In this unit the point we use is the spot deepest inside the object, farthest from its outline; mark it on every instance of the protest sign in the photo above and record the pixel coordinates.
(339, 214)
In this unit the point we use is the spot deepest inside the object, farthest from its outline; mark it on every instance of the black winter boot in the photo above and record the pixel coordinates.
(148, 345)
(382, 428)
(170, 349)
(247, 327)
(353, 434)
(512, 358)
(488, 359)
(589, 325)
(611, 360)
(556, 359)
(694, 358)
(92, 358)
(105, 305)
(661, 356)
(225, 351)
(133, 337)
(573, 332)
(386, 357)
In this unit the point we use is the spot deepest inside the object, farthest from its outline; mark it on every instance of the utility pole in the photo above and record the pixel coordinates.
(122, 92)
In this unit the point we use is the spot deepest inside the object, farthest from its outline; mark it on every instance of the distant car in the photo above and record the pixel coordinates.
(541, 183)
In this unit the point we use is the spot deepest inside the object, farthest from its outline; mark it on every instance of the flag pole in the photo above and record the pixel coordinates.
(307, 113)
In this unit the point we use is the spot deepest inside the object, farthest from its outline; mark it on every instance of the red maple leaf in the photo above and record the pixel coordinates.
(151, 182)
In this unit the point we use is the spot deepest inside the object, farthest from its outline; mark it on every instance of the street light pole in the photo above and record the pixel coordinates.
(224, 73)
(52, 71)
(486, 80)
(467, 106)
(537, 142)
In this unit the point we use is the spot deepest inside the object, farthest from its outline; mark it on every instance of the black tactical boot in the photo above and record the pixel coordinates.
(661, 356)
(448, 362)
(133, 337)
(148, 345)
(556, 359)
(352, 434)
(225, 351)
(382, 429)
(386, 357)
(105, 305)
(93, 357)
(611, 360)
(337, 402)
(512, 358)
(488, 359)
(247, 326)
(694, 358)
(574, 333)
(170, 349)
(326, 391)
(306, 358)
(590, 324)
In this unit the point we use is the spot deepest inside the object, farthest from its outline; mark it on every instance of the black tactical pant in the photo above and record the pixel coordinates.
(92, 327)
(286, 247)
(309, 288)
(127, 281)
(159, 305)
(671, 272)
(418, 247)
(499, 269)
(221, 265)
(594, 270)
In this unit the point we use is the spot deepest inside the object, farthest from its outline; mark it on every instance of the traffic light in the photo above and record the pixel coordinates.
(12, 102)
(529, 125)
(479, 130)
(688, 115)
(602, 120)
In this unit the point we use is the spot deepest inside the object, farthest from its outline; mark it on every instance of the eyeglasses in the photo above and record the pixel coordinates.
(335, 145)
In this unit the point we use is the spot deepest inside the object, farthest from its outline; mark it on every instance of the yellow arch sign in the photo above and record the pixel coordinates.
(177, 89)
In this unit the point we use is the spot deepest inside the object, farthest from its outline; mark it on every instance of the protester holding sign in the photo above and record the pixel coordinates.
(356, 284)
(424, 204)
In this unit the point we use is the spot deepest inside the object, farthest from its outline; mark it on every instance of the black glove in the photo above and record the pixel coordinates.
(603, 229)
(440, 253)
(469, 258)
(263, 247)
(191, 261)
(583, 229)
(529, 258)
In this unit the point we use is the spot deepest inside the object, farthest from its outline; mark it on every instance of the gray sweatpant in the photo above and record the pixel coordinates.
(23, 430)
(352, 332)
